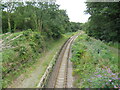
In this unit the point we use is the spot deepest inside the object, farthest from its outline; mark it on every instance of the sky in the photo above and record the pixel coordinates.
(75, 9)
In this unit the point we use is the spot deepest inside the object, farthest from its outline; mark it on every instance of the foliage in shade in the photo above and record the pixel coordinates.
(44, 17)
(104, 22)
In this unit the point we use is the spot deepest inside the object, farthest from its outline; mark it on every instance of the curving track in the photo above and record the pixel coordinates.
(62, 73)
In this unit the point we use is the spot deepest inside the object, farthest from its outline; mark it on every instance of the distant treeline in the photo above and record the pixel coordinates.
(104, 22)
(45, 17)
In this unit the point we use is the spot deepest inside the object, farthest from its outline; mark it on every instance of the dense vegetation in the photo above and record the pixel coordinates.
(95, 54)
(45, 17)
(21, 53)
(23, 49)
(104, 22)
(94, 64)
(28, 29)
(75, 26)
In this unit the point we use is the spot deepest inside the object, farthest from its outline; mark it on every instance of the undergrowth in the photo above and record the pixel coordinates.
(24, 53)
(94, 65)
(114, 44)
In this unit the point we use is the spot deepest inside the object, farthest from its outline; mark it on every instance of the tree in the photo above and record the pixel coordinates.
(104, 21)
(9, 6)
(44, 17)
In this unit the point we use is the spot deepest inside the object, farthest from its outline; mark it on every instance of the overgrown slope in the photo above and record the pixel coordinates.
(95, 66)
(21, 50)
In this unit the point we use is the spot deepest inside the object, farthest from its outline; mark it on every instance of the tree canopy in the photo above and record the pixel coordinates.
(104, 22)
(45, 17)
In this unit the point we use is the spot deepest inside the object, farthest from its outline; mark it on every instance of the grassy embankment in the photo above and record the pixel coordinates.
(24, 53)
(95, 65)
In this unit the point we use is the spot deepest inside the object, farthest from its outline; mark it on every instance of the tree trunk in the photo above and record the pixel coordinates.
(9, 24)
(36, 23)
(14, 27)
(39, 28)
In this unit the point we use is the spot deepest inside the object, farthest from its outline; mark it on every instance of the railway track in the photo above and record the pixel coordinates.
(59, 77)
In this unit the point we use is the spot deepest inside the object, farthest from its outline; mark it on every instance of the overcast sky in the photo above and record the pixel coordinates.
(75, 9)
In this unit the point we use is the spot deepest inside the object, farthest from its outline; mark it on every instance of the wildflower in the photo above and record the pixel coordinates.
(114, 78)
(113, 74)
(89, 80)
(109, 71)
(106, 83)
(96, 72)
(98, 75)
(110, 80)
(115, 86)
